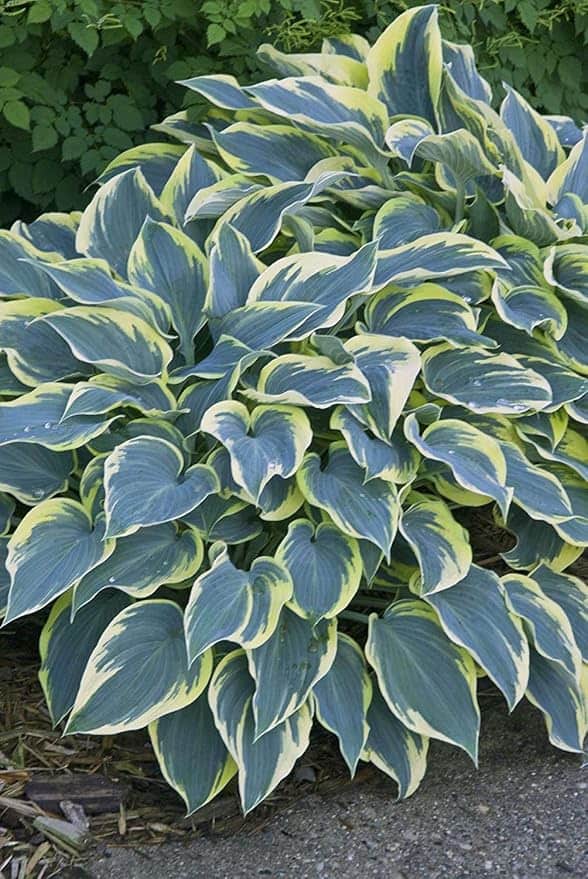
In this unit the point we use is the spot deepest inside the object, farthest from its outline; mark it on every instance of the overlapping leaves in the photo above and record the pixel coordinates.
(245, 427)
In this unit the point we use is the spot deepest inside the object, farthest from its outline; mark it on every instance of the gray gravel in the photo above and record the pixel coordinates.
(522, 815)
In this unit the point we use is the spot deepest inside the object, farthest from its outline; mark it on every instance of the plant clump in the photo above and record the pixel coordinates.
(256, 394)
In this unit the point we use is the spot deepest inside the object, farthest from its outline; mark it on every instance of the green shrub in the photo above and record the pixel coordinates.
(257, 392)
(61, 123)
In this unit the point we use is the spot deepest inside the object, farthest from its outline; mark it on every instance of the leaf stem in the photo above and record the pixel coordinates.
(372, 600)
(354, 617)
(459, 202)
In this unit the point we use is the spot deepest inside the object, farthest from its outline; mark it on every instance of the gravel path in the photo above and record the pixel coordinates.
(523, 815)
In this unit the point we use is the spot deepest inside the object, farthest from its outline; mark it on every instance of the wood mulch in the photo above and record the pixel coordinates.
(61, 797)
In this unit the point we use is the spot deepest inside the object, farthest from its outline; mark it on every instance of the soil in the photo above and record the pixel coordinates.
(522, 815)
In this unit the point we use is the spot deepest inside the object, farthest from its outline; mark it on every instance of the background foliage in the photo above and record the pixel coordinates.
(81, 80)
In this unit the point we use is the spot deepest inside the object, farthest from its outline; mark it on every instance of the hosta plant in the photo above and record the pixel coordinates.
(257, 395)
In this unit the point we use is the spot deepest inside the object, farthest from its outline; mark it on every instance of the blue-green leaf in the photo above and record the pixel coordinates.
(141, 563)
(393, 748)
(263, 762)
(145, 485)
(65, 647)
(52, 548)
(118, 342)
(269, 441)
(32, 473)
(138, 672)
(325, 567)
(342, 698)
(315, 381)
(439, 542)
(405, 64)
(474, 614)
(476, 459)
(427, 682)
(113, 219)
(365, 510)
(166, 261)
(484, 382)
(550, 628)
(191, 754)
(286, 666)
(228, 604)
(439, 255)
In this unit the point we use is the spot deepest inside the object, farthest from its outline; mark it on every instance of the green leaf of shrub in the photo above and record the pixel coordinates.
(17, 113)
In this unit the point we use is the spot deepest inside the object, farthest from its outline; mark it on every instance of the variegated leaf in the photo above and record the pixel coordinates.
(394, 748)
(425, 313)
(118, 342)
(339, 113)
(191, 754)
(229, 604)
(138, 671)
(476, 459)
(263, 762)
(233, 268)
(280, 152)
(550, 629)
(571, 450)
(438, 255)
(365, 510)
(474, 614)
(90, 282)
(102, 393)
(21, 269)
(537, 542)
(484, 382)
(259, 215)
(66, 645)
(35, 353)
(439, 542)
(261, 325)
(226, 519)
(405, 64)
(394, 460)
(570, 175)
(287, 665)
(32, 473)
(571, 594)
(269, 441)
(403, 219)
(156, 161)
(320, 278)
(342, 698)
(52, 232)
(54, 545)
(315, 381)
(141, 563)
(535, 137)
(35, 417)
(113, 219)
(534, 489)
(190, 174)
(561, 700)
(163, 492)
(167, 262)
(391, 368)
(427, 682)
(325, 567)
(529, 307)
